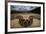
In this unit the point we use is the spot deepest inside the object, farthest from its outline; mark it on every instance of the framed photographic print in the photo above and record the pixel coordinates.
(24, 16)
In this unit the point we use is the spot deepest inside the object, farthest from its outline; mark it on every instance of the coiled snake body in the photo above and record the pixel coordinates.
(23, 22)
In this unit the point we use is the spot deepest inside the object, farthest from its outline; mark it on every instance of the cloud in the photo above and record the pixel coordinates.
(22, 8)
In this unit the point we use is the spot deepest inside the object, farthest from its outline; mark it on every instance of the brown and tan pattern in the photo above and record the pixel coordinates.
(25, 20)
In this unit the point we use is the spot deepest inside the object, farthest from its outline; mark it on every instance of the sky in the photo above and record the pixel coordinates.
(22, 8)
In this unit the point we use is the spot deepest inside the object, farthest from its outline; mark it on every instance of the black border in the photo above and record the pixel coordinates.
(6, 6)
